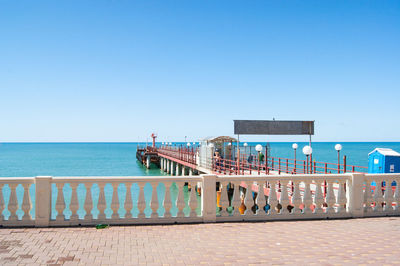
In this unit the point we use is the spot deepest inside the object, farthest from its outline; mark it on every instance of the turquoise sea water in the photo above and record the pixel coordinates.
(119, 159)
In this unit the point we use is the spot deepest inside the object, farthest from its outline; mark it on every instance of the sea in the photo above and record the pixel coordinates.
(119, 159)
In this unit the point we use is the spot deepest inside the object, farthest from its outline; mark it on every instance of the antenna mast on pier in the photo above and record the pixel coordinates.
(154, 136)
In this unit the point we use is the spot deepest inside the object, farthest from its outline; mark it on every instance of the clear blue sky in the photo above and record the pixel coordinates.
(118, 70)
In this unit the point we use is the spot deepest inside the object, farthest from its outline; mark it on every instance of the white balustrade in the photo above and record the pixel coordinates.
(242, 198)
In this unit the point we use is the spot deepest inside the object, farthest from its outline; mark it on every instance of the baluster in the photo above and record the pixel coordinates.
(180, 203)
(101, 205)
(60, 203)
(74, 206)
(154, 200)
(26, 203)
(193, 199)
(396, 196)
(248, 200)
(128, 200)
(330, 198)
(307, 198)
(224, 202)
(88, 206)
(13, 203)
(141, 201)
(319, 197)
(370, 200)
(388, 196)
(261, 202)
(284, 199)
(236, 198)
(342, 197)
(296, 198)
(167, 200)
(379, 196)
(273, 201)
(115, 201)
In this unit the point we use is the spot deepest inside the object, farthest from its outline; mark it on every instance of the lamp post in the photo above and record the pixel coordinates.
(338, 147)
(295, 146)
(307, 150)
(259, 149)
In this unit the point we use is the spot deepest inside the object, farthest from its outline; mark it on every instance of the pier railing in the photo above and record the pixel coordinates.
(276, 165)
(65, 201)
(182, 153)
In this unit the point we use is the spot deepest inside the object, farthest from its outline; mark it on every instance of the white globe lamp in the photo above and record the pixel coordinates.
(338, 147)
(307, 150)
(259, 147)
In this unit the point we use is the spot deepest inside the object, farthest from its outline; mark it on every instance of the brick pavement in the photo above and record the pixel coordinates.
(326, 242)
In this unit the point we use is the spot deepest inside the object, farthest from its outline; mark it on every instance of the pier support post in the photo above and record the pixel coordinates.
(177, 169)
(208, 198)
(190, 171)
(165, 165)
(183, 170)
(172, 168)
(356, 201)
(168, 164)
(43, 200)
(148, 162)
(162, 164)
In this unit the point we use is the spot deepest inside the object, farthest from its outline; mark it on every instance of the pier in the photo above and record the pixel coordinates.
(185, 160)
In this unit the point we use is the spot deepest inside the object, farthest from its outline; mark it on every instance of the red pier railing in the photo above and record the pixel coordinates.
(249, 164)
(181, 153)
(276, 165)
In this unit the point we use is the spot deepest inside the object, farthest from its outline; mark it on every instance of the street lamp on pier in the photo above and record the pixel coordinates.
(338, 147)
(295, 146)
(307, 150)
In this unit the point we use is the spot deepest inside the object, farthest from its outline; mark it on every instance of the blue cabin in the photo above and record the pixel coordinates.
(382, 160)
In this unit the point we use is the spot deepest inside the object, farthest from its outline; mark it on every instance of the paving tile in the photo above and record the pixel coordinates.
(333, 242)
